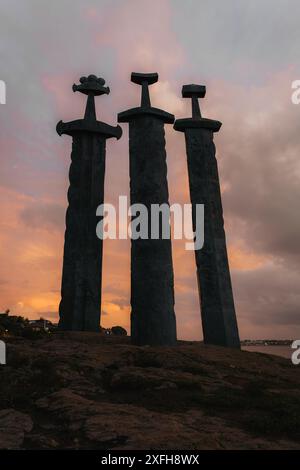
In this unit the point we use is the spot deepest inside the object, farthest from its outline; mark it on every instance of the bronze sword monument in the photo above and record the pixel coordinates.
(80, 304)
(152, 281)
(215, 291)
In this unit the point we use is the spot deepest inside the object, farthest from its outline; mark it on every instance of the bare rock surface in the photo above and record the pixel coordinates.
(13, 426)
(87, 391)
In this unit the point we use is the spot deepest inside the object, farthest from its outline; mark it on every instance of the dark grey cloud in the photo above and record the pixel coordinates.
(268, 296)
(259, 162)
(241, 41)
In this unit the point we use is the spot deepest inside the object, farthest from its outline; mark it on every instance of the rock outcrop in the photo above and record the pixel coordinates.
(87, 391)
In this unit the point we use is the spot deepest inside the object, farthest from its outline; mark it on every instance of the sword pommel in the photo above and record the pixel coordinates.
(188, 91)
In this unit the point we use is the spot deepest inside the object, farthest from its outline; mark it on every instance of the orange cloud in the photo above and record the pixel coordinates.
(245, 260)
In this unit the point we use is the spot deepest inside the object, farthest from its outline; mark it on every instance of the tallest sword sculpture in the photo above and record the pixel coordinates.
(217, 305)
(152, 284)
(80, 304)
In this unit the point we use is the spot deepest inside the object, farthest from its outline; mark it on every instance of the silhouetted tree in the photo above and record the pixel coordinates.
(118, 331)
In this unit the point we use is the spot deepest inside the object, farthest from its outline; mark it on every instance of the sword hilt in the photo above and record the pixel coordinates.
(144, 79)
(91, 86)
(194, 92)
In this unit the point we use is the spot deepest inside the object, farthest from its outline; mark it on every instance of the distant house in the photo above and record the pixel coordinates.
(5, 314)
(12, 323)
(41, 324)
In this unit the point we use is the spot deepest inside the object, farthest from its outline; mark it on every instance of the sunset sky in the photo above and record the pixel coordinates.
(247, 55)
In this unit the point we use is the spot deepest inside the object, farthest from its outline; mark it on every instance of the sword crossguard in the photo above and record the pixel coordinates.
(196, 121)
(145, 109)
(91, 86)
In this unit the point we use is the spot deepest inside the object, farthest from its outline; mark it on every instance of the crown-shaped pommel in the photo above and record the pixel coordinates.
(91, 85)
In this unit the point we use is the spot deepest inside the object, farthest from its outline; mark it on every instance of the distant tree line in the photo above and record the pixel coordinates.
(16, 325)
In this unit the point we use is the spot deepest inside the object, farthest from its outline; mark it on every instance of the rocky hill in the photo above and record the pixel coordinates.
(87, 391)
